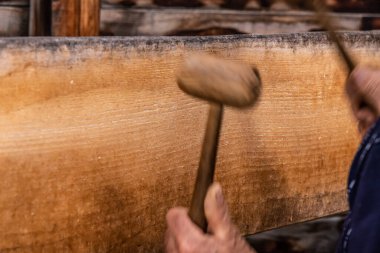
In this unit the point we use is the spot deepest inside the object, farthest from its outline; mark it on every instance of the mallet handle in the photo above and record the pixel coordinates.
(321, 11)
(325, 20)
(205, 174)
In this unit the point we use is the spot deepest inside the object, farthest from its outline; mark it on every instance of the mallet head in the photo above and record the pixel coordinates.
(220, 81)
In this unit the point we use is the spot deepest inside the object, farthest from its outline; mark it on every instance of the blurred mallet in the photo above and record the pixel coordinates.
(323, 17)
(221, 82)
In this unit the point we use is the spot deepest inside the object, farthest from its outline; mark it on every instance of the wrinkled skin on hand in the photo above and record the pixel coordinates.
(183, 236)
(363, 90)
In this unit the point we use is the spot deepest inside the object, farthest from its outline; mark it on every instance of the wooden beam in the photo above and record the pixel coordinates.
(132, 22)
(66, 18)
(363, 6)
(97, 141)
(76, 17)
(40, 18)
(90, 18)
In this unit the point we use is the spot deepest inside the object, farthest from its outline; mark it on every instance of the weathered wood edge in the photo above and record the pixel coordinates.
(167, 43)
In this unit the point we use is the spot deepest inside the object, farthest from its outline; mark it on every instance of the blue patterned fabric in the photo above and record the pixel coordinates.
(361, 233)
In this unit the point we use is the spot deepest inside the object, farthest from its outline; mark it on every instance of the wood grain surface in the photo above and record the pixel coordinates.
(97, 142)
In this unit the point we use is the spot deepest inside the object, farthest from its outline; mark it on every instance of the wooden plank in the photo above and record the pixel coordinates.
(97, 141)
(76, 18)
(40, 18)
(132, 22)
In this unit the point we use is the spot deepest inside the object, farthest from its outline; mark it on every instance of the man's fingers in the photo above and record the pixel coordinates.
(363, 85)
(366, 116)
(217, 213)
(187, 236)
(183, 236)
(366, 119)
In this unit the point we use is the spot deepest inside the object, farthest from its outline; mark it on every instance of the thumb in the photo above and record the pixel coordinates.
(219, 222)
(366, 82)
(180, 224)
(366, 119)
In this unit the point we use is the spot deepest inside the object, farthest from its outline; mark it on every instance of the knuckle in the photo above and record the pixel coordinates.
(170, 215)
(185, 246)
(170, 219)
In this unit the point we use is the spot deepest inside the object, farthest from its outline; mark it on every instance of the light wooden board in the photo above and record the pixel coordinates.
(97, 142)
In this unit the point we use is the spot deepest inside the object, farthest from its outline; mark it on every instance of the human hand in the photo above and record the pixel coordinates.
(363, 88)
(183, 236)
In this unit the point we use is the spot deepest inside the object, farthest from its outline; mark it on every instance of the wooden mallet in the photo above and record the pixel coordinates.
(221, 82)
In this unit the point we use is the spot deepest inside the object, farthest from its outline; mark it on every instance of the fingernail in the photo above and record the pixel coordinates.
(219, 197)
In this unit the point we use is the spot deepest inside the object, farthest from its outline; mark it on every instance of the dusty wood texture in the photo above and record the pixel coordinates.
(76, 17)
(123, 21)
(97, 141)
(40, 18)
(14, 21)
